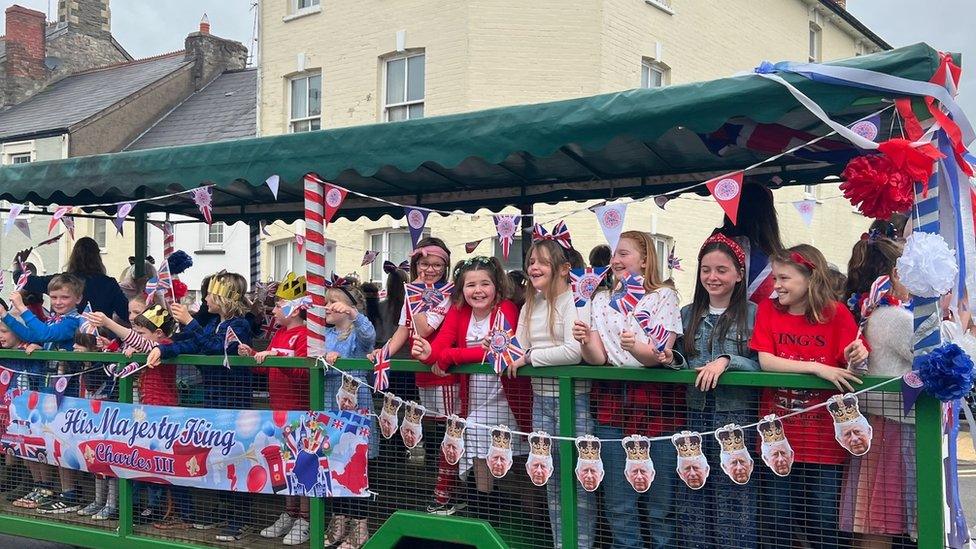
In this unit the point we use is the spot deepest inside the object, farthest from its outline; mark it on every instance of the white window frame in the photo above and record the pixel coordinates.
(665, 243)
(292, 253)
(103, 245)
(19, 149)
(311, 119)
(207, 242)
(295, 11)
(815, 42)
(384, 251)
(651, 67)
(406, 85)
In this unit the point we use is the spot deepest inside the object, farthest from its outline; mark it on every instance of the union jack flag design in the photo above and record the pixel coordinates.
(424, 297)
(381, 369)
(25, 273)
(655, 332)
(230, 338)
(760, 273)
(164, 281)
(630, 293)
(503, 349)
(87, 327)
(585, 282)
(560, 233)
(879, 288)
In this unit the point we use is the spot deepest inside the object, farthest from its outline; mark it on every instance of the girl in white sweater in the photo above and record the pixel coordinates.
(545, 328)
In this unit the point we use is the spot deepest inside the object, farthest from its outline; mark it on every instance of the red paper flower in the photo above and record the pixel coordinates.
(179, 289)
(876, 187)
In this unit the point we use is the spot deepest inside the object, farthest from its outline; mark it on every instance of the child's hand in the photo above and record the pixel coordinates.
(129, 351)
(666, 357)
(856, 352)
(708, 374)
(421, 349)
(102, 342)
(95, 318)
(331, 357)
(342, 309)
(245, 350)
(627, 340)
(513, 369)
(153, 358)
(31, 347)
(581, 331)
(180, 313)
(840, 377)
(436, 370)
(259, 357)
(17, 301)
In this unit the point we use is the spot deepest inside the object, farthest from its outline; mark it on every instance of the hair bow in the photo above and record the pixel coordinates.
(336, 282)
(389, 267)
(404, 265)
(873, 235)
(795, 257)
(560, 233)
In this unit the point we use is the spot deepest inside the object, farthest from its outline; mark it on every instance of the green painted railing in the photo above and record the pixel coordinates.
(929, 488)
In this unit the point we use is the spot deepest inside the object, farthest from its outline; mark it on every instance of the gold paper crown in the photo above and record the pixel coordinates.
(292, 287)
(638, 448)
(501, 437)
(157, 315)
(731, 438)
(588, 447)
(455, 426)
(218, 286)
(771, 430)
(843, 408)
(688, 443)
(540, 444)
(391, 405)
(415, 412)
(350, 384)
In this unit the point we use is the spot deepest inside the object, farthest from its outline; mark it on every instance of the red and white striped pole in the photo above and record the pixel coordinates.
(169, 240)
(315, 263)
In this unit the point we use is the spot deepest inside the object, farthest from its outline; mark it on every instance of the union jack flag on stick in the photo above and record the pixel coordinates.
(503, 348)
(424, 297)
(87, 327)
(655, 332)
(230, 338)
(381, 369)
(630, 293)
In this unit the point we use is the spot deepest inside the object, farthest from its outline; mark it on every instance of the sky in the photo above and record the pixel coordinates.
(147, 27)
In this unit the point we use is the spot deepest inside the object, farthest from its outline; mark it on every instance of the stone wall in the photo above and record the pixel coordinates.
(212, 55)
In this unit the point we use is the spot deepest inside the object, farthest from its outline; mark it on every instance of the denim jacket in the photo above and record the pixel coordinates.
(727, 397)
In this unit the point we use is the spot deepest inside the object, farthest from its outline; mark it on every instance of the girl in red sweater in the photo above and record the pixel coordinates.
(481, 292)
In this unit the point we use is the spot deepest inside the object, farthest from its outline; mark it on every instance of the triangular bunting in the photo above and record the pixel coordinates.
(727, 190)
(611, 219)
(805, 209)
(272, 183)
(334, 197)
(416, 220)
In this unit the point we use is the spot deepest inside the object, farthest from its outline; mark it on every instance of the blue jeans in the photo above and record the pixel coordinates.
(722, 513)
(805, 502)
(623, 503)
(545, 417)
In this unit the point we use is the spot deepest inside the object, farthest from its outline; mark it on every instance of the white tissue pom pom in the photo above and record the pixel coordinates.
(927, 267)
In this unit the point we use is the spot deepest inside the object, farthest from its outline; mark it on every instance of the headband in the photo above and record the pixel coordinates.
(795, 257)
(340, 283)
(719, 238)
(560, 234)
(480, 260)
(435, 251)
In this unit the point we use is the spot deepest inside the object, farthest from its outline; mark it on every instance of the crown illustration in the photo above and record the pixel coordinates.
(220, 286)
(688, 443)
(771, 429)
(588, 447)
(157, 315)
(501, 437)
(455, 426)
(540, 443)
(843, 408)
(638, 448)
(731, 438)
(350, 384)
(390, 404)
(415, 412)
(292, 287)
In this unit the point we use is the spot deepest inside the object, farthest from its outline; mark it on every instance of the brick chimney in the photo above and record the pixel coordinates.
(212, 55)
(25, 44)
(205, 24)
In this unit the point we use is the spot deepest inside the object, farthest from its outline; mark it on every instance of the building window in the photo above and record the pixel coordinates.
(654, 74)
(306, 103)
(213, 236)
(816, 37)
(515, 261)
(286, 259)
(404, 98)
(100, 232)
(662, 247)
(23, 158)
(305, 4)
(392, 246)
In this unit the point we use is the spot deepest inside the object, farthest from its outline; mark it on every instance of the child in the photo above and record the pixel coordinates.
(877, 499)
(225, 388)
(545, 329)
(350, 335)
(288, 390)
(481, 290)
(804, 330)
(624, 409)
(718, 324)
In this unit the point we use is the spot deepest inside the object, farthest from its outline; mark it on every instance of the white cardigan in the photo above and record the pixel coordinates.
(562, 350)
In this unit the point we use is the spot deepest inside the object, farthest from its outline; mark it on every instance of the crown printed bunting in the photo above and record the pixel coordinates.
(588, 447)
(843, 408)
(730, 438)
(637, 447)
(414, 413)
(687, 443)
(501, 437)
(455, 426)
(350, 384)
(771, 430)
(584, 283)
(506, 226)
(737, 464)
(388, 420)
(292, 287)
(540, 443)
(391, 404)
(452, 446)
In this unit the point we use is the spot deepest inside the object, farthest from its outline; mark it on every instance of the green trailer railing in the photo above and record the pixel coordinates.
(477, 533)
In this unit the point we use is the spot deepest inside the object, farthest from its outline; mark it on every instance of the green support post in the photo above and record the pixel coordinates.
(125, 485)
(316, 507)
(567, 480)
(930, 486)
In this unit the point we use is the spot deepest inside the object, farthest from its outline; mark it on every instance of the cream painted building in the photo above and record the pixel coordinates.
(326, 64)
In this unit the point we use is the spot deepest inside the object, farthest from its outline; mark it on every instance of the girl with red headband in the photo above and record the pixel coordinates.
(805, 330)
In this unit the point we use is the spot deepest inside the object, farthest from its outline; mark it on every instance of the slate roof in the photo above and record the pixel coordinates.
(80, 96)
(224, 109)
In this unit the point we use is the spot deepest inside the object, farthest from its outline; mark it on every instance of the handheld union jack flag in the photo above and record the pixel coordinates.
(87, 327)
(655, 332)
(381, 370)
(674, 262)
(230, 338)
(424, 297)
(585, 282)
(630, 293)
(879, 288)
(25, 274)
(559, 233)
(503, 348)
(164, 281)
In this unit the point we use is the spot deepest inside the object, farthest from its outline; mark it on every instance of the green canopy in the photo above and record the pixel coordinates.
(631, 143)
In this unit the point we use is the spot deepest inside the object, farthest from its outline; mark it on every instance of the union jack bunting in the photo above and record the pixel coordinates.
(503, 348)
(424, 297)
(585, 282)
(230, 338)
(381, 369)
(559, 233)
(506, 226)
(630, 293)
(655, 332)
(87, 327)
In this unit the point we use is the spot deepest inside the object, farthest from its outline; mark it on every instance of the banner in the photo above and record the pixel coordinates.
(319, 454)
(416, 221)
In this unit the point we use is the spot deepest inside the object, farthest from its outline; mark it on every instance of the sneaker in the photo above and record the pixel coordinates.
(336, 532)
(106, 513)
(59, 506)
(46, 497)
(280, 526)
(358, 534)
(298, 533)
(90, 509)
(145, 516)
(230, 533)
(27, 499)
(444, 509)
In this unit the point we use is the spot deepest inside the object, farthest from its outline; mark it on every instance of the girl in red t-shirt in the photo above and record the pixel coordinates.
(804, 330)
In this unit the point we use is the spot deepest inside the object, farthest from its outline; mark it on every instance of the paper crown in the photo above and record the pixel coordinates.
(540, 443)
(688, 443)
(350, 384)
(588, 447)
(731, 438)
(638, 448)
(455, 426)
(415, 412)
(390, 404)
(501, 437)
(157, 315)
(292, 287)
(771, 429)
(843, 408)
(219, 286)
